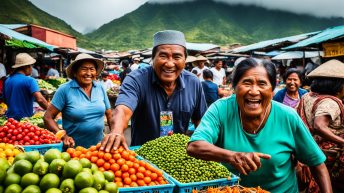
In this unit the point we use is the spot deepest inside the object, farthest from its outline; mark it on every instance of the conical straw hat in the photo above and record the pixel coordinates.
(331, 69)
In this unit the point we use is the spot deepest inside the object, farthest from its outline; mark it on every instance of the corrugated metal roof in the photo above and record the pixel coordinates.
(14, 26)
(328, 34)
(273, 42)
(200, 46)
(24, 38)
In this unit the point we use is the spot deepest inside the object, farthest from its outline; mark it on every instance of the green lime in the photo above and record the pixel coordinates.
(32, 189)
(10, 170)
(33, 156)
(85, 163)
(88, 190)
(13, 188)
(56, 166)
(109, 176)
(111, 187)
(49, 181)
(53, 190)
(2, 189)
(67, 186)
(40, 168)
(103, 191)
(20, 156)
(12, 178)
(52, 154)
(4, 164)
(71, 169)
(29, 179)
(87, 170)
(83, 180)
(2, 175)
(99, 180)
(65, 156)
(22, 167)
(94, 168)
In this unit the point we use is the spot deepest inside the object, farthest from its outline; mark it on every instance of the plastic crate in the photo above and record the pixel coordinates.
(43, 148)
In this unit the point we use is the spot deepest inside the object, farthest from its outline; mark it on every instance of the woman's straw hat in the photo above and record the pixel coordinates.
(23, 59)
(201, 58)
(331, 69)
(81, 57)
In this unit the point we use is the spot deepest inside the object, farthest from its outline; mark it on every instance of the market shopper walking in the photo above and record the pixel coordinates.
(322, 110)
(292, 93)
(219, 73)
(83, 103)
(156, 95)
(20, 90)
(257, 137)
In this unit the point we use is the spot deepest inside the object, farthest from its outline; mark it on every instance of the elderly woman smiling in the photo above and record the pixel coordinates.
(82, 102)
(256, 136)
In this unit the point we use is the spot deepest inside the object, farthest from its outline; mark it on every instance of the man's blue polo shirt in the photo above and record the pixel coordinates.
(18, 93)
(82, 117)
(142, 93)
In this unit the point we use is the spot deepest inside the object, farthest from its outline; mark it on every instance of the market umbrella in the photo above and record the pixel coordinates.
(298, 54)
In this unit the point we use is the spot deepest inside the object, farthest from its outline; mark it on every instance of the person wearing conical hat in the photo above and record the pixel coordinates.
(83, 103)
(200, 62)
(322, 110)
(20, 90)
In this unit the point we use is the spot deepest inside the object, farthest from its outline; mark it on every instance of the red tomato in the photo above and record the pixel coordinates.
(15, 132)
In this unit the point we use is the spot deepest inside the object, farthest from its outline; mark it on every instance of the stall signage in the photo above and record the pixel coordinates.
(333, 49)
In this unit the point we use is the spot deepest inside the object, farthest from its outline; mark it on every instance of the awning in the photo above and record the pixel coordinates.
(18, 40)
(297, 55)
(328, 34)
(274, 42)
(201, 47)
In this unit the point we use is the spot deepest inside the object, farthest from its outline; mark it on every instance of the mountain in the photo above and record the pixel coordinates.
(205, 21)
(24, 12)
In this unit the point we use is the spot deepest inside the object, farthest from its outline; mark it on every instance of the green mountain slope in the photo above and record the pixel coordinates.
(205, 21)
(24, 12)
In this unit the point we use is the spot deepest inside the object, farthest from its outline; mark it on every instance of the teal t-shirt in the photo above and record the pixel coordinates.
(283, 135)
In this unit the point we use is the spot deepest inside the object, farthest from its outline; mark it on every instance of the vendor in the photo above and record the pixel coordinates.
(258, 137)
(158, 99)
(20, 90)
(83, 102)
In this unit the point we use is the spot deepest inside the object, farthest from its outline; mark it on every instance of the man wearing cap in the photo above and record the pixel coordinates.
(200, 62)
(20, 90)
(160, 99)
(135, 65)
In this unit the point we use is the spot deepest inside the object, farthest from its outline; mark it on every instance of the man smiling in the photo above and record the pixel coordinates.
(163, 90)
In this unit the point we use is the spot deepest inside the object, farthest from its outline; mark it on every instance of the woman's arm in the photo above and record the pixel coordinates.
(243, 162)
(322, 177)
(321, 127)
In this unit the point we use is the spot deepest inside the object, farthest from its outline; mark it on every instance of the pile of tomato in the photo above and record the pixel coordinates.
(128, 171)
(24, 133)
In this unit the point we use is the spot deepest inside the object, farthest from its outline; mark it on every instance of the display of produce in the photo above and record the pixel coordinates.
(3, 109)
(113, 92)
(169, 154)
(2, 121)
(127, 169)
(8, 152)
(54, 172)
(36, 119)
(43, 85)
(24, 133)
(232, 189)
(56, 82)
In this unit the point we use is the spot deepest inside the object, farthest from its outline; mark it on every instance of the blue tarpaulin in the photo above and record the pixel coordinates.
(28, 42)
(328, 34)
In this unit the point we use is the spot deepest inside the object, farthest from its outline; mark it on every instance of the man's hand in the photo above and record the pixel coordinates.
(247, 162)
(113, 141)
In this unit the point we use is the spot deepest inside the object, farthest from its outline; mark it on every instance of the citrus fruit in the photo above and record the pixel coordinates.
(65, 156)
(29, 179)
(33, 156)
(87, 170)
(103, 191)
(52, 154)
(12, 178)
(85, 163)
(111, 187)
(109, 176)
(94, 167)
(71, 169)
(40, 168)
(60, 134)
(2, 175)
(56, 166)
(32, 189)
(53, 190)
(88, 190)
(13, 188)
(4, 164)
(83, 180)
(49, 181)
(20, 156)
(99, 180)
(10, 170)
(67, 186)
(1, 189)
(22, 167)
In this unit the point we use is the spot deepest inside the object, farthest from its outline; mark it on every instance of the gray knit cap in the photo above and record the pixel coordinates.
(169, 37)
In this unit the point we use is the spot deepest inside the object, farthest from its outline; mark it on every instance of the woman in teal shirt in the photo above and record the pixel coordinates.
(257, 137)
(83, 103)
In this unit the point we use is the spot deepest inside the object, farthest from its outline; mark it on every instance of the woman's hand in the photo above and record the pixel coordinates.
(113, 141)
(247, 162)
(68, 141)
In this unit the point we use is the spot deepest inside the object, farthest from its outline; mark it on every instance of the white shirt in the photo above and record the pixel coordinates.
(200, 72)
(108, 84)
(218, 75)
(2, 70)
(134, 67)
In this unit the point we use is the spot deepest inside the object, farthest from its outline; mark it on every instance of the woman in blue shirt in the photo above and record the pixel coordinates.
(83, 103)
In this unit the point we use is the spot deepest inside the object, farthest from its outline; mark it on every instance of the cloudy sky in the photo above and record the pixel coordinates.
(87, 15)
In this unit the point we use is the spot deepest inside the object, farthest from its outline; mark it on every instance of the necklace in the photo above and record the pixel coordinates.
(260, 124)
